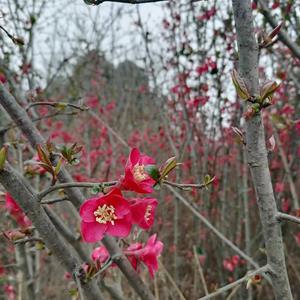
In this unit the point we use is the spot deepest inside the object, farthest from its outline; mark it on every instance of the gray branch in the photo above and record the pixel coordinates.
(257, 152)
(232, 285)
(22, 192)
(283, 36)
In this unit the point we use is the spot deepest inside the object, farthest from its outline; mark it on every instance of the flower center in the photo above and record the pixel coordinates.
(139, 172)
(105, 213)
(148, 213)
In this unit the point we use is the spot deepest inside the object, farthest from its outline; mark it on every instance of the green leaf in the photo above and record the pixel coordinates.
(153, 172)
(95, 189)
(3, 154)
(199, 250)
(167, 167)
(58, 166)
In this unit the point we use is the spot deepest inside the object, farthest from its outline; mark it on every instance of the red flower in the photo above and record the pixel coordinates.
(143, 211)
(147, 254)
(109, 214)
(136, 179)
(231, 263)
(16, 212)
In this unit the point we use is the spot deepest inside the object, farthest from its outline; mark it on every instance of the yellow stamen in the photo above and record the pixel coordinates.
(105, 213)
(139, 172)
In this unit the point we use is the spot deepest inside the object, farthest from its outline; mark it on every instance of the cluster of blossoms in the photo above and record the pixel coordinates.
(136, 253)
(113, 214)
(232, 262)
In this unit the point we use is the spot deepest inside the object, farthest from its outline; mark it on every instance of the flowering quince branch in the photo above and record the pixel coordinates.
(56, 187)
(285, 217)
(19, 116)
(21, 190)
(188, 186)
(248, 277)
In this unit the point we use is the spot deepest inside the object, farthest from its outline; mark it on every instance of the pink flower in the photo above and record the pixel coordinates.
(143, 212)
(16, 212)
(9, 291)
(109, 214)
(100, 254)
(279, 187)
(228, 265)
(136, 178)
(147, 254)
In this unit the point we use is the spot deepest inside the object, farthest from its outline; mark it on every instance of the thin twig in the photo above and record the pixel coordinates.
(51, 189)
(196, 212)
(171, 280)
(232, 285)
(187, 186)
(51, 201)
(106, 265)
(285, 217)
(26, 240)
(200, 271)
(57, 105)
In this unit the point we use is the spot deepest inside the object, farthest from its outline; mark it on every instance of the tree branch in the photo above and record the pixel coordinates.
(282, 35)
(257, 154)
(232, 285)
(22, 192)
(19, 116)
(56, 187)
(196, 212)
(285, 217)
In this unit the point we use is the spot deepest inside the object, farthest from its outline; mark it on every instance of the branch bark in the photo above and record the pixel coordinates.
(257, 152)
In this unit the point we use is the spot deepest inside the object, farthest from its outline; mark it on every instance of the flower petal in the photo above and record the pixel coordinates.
(92, 232)
(134, 156)
(87, 209)
(121, 228)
